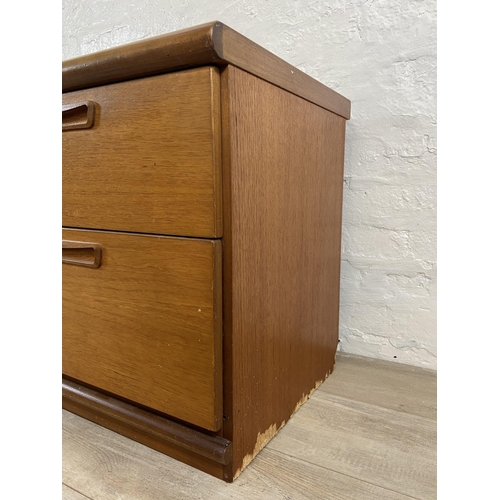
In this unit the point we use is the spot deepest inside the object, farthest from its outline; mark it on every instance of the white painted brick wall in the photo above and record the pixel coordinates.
(382, 56)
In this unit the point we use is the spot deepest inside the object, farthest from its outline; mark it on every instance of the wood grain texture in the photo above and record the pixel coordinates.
(326, 436)
(81, 253)
(71, 494)
(146, 324)
(207, 44)
(135, 422)
(391, 385)
(162, 154)
(283, 170)
(384, 447)
(79, 115)
(239, 51)
(106, 465)
(182, 49)
(288, 477)
(151, 161)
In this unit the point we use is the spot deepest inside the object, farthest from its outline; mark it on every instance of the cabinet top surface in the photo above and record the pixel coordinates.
(208, 44)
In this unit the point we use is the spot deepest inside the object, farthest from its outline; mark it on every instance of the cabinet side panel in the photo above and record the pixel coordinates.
(283, 174)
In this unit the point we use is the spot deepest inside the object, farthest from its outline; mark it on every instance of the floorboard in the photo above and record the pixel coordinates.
(392, 385)
(391, 449)
(70, 494)
(369, 432)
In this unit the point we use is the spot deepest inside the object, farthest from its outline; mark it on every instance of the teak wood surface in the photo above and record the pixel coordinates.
(146, 324)
(208, 44)
(151, 161)
(166, 338)
(283, 163)
(205, 451)
(367, 433)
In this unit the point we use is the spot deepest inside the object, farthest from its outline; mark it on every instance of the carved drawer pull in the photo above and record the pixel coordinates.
(78, 115)
(81, 253)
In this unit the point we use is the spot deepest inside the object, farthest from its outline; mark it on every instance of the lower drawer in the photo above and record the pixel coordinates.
(142, 320)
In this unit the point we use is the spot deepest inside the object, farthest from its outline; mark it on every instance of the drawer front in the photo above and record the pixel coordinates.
(142, 320)
(148, 156)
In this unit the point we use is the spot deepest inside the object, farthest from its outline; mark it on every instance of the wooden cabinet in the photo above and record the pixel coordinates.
(202, 201)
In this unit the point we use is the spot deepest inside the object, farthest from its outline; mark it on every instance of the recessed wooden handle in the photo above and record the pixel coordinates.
(78, 115)
(81, 253)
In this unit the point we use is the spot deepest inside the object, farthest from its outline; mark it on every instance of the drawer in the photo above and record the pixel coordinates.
(150, 161)
(142, 320)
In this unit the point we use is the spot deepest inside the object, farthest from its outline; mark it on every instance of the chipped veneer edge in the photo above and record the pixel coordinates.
(264, 437)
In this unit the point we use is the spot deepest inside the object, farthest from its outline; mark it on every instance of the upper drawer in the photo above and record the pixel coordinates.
(150, 162)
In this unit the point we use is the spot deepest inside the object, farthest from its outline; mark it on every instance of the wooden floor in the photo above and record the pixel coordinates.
(368, 432)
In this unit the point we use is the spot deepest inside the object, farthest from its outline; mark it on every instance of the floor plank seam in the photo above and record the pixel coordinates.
(76, 491)
(380, 409)
(346, 475)
(326, 396)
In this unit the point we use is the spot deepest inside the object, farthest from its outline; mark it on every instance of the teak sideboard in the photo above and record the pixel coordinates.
(202, 202)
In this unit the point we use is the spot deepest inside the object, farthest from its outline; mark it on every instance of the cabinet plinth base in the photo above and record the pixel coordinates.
(205, 452)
